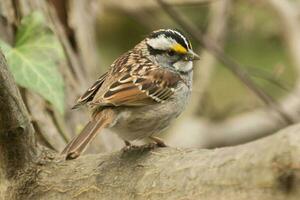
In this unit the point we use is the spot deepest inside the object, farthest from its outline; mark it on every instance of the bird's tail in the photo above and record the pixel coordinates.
(79, 143)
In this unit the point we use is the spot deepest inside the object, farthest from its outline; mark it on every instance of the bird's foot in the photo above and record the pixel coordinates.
(129, 146)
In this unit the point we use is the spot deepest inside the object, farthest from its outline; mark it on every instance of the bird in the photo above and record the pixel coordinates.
(141, 93)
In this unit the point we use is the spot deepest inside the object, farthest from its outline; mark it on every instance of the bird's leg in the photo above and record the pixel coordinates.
(158, 141)
(129, 146)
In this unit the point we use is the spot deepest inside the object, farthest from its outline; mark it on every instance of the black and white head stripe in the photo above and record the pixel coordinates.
(176, 33)
(163, 38)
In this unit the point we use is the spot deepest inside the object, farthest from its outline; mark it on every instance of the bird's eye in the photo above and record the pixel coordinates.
(171, 53)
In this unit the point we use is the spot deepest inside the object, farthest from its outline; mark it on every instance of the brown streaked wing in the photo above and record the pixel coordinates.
(90, 93)
(155, 85)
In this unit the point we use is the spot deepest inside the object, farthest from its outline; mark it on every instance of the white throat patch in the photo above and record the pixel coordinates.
(183, 66)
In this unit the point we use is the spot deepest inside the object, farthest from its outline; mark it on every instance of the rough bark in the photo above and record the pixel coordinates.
(17, 144)
(265, 169)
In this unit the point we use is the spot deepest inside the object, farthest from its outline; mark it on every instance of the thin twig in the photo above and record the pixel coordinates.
(269, 77)
(228, 62)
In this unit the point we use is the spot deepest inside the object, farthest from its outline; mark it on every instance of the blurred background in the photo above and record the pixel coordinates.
(259, 38)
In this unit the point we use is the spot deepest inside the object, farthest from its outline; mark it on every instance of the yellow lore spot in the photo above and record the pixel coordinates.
(179, 49)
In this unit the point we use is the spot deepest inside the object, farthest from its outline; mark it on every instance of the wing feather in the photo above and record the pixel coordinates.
(90, 93)
(139, 89)
(129, 83)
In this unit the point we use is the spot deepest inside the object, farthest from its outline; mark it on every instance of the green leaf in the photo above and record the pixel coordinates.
(34, 58)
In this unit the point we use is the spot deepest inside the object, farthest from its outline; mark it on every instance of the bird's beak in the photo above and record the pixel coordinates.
(191, 56)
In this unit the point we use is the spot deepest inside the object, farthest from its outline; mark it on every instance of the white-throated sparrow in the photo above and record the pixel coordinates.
(142, 92)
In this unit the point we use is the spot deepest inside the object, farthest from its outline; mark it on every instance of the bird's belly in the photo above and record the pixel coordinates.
(142, 122)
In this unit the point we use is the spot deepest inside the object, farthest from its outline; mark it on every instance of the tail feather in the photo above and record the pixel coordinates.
(89, 132)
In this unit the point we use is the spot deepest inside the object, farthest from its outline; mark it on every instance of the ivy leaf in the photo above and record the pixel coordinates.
(34, 58)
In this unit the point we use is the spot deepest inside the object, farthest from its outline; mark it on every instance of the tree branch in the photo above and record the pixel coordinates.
(265, 169)
(17, 144)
